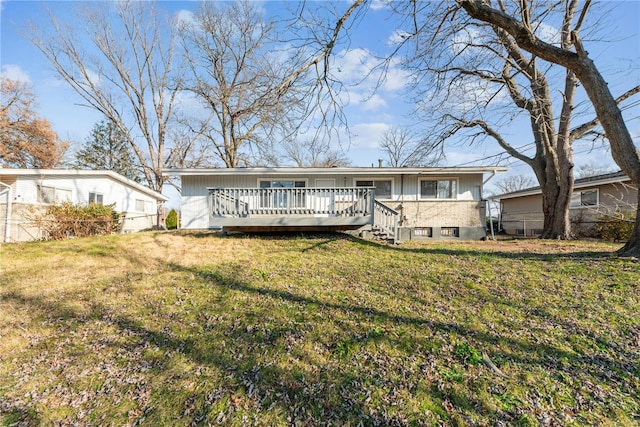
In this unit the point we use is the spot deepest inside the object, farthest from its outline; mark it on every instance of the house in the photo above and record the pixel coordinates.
(592, 198)
(394, 203)
(23, 190)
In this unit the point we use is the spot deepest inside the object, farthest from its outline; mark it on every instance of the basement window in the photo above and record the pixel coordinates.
(423, 231)
(450, 231)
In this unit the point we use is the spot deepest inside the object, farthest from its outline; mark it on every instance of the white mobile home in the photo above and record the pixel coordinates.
(397, 203)
(23, 190)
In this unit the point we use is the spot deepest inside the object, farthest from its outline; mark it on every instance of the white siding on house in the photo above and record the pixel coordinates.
(194, 201)
(113, 192)
(138, 204)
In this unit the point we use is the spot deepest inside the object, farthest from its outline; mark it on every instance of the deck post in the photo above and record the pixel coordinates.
(372, 203)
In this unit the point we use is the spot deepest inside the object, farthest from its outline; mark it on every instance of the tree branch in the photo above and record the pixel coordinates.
(585, 128)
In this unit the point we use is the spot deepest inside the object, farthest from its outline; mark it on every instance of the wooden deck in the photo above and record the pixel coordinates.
(299, 209)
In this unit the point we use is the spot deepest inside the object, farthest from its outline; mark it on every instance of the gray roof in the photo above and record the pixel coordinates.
(334, 171)
(79, 173)
(590, 181)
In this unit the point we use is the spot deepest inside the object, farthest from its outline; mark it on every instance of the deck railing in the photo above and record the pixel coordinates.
(331, 202)
(387, 220)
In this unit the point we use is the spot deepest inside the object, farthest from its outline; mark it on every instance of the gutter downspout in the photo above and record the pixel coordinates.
(493, 173)
(401, 200)
(7, 224)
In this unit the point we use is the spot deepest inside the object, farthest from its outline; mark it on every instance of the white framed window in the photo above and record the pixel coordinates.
(293, 197)
(439, 189)
(584, 199)
(140, 205)
(96, 198)
(47, 194)
(384, 187)
(450, 231)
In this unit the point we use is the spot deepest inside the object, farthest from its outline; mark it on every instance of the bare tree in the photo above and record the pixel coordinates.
(314, 154)
(236, 75)
(259, 90)
(405, 148)
(575, 59)
(592, 169)
(26, 139)
(120, 58)
(514, 28)
(468, 71)
(514, 183)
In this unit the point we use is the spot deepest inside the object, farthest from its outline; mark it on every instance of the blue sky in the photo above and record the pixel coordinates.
(617, 55)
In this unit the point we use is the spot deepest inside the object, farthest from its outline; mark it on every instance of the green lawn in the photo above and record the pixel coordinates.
(198, 329)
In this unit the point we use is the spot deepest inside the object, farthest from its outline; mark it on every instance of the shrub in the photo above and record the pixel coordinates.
(172, 220)
(62, 220)
(616, 227)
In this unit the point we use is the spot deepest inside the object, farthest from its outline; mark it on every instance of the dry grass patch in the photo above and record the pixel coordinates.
(196, 328)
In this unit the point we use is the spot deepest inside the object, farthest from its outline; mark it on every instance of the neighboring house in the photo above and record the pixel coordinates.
(24, 191)
(394, 203)
(592, 199)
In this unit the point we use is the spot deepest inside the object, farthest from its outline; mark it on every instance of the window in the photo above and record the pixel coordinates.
(140, 205)
(449, 232)
(46, 194)
(293, 198)
(52, 194)
(438, 189)
(96, 198)
(383, 187)
(581, 199)
(423, 231)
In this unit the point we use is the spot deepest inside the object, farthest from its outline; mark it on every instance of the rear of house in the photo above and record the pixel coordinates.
(26, 191)
(594, 198)
(398, 203)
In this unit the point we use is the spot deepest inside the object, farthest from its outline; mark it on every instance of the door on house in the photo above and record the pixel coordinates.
(325, 199)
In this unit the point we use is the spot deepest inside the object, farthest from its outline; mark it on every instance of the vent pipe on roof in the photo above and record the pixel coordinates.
(380, 163)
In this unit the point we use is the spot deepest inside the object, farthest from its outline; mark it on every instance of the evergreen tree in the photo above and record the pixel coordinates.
(108, 148)
(172, 220)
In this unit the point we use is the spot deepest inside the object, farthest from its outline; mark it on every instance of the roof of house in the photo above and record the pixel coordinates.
(77, 173)
(590, 181)
(334, 171)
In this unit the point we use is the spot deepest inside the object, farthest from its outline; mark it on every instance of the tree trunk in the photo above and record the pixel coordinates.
(632, 247)
(556, 212)
(623, 151)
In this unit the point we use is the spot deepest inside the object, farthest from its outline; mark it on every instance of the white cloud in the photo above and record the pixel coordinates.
(354, 64)
(14, 72)
(364, 84)
(94, 78)
(373, 103)
(185, 18)
(368, 135)
(397, 37)
(461, 41)
(396, 79)
(379, 4)
(465, 95)
(548, 33)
